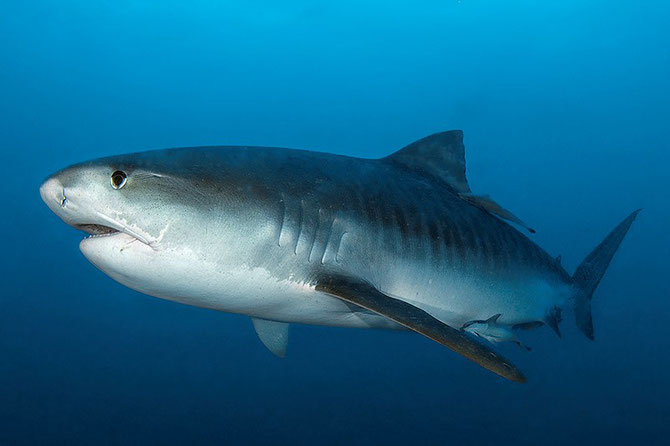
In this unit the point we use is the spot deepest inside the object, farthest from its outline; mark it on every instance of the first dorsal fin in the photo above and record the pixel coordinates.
(442, 155)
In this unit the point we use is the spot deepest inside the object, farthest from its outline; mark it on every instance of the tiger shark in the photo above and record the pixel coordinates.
(291, 236)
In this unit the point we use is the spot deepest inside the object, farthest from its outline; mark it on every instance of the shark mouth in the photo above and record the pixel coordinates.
(97, 230)
(112, 228)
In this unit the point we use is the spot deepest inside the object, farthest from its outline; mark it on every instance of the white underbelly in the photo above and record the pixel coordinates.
(253, 292)
(257, 292)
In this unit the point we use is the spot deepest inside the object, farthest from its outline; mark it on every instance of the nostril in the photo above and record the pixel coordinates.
(63, 201)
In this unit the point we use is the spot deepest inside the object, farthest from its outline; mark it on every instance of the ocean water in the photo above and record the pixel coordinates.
(565, 108)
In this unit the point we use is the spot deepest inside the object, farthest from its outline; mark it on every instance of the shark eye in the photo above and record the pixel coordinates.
(119, 179)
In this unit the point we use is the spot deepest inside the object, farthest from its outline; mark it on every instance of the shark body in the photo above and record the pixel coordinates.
(290, 236)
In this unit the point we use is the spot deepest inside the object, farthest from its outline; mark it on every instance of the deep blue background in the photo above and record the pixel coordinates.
(565, 108)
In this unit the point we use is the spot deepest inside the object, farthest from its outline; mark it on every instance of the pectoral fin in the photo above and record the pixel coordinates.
(273, 335)
(365, 295)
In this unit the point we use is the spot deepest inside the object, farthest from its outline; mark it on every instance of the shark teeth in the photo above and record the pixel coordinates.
(103, 235)
(95, 230)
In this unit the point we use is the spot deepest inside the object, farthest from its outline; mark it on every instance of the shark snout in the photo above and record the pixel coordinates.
(53, 194)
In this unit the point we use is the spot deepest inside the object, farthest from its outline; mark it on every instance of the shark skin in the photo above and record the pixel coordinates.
(293, 236)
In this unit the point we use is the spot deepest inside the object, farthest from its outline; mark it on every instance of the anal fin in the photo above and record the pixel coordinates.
(553, 319)
(273, 335)
(365, 295)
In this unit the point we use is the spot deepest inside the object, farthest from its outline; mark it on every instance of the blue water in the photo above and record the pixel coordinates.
(565, 108)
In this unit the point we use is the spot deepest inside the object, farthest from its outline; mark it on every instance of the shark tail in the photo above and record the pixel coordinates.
(591, 271)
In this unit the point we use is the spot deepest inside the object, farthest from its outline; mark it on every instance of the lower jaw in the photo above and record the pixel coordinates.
(97, 231)
(111, 244)
(123, 258)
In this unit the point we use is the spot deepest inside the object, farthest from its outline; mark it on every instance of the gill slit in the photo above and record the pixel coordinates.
(282, 205)
(300, 224)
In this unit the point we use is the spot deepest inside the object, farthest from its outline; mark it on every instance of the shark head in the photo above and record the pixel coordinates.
(151, 217)
(123, 207)
(104, 201)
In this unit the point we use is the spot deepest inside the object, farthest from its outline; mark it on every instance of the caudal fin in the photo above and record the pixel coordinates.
(591, 271)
